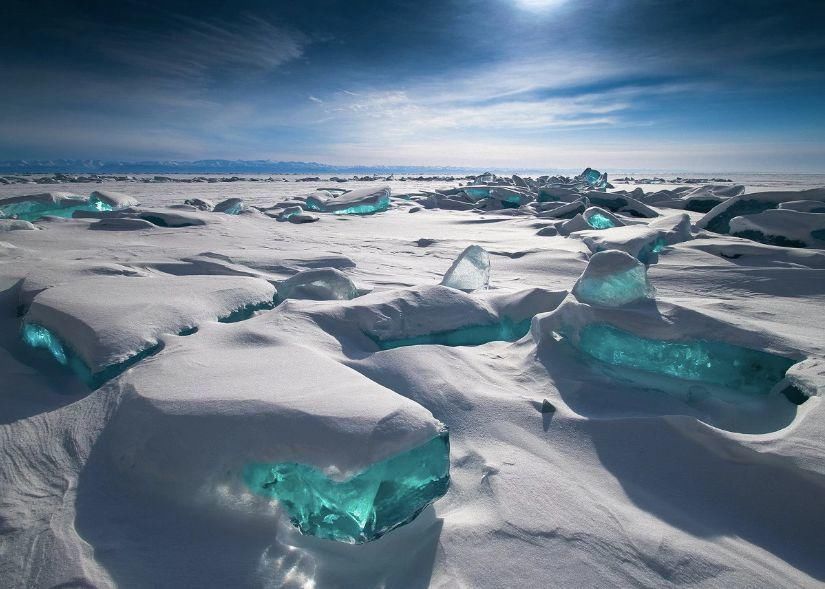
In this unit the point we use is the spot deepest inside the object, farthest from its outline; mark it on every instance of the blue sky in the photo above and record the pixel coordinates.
(617, 84)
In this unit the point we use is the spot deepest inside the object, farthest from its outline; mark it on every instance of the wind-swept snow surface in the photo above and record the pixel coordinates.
(531, 382)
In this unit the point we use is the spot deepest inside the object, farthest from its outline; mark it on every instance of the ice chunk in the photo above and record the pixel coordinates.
(594, 178)
(57, 204)
(477, 192)
(135, 313)
(718, 219)
(613, 278)
(289, 212)
(600, 219)
(37, 336)
(566, 211)
(577, 223)
(386, 495)
(364, 201)
(230, 206)
(115, 200)
(319, 284)
(201, 204)
(511, 196)
(621, 203)
(470, 271)
(782, 227)
(733, 367)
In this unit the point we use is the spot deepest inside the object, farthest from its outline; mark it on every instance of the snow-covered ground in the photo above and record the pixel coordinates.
(565, 470)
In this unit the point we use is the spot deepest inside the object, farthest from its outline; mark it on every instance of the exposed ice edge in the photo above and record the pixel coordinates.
(109, 332)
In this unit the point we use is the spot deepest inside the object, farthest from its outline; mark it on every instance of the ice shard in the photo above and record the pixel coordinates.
(739, 369)
(364, 507)
(613, 278)
(598, 218)
(594, 178)
(230, 206)
(470, 270)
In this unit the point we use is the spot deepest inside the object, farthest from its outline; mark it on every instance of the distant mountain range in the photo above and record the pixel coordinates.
(67, 166)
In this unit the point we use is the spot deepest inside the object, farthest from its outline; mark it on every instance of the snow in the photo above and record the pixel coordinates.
(637, 477)
(782, 227)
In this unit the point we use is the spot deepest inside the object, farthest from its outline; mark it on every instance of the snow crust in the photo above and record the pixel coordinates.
(565, 470)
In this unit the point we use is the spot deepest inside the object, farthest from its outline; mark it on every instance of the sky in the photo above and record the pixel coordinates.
(733, 85)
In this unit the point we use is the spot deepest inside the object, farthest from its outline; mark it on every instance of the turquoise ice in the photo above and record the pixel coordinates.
(599, 221)
(739, 369)
(470, 271)
(613, 278)
(474, 335)
(40, 337)
(32, 210)
(364, 507)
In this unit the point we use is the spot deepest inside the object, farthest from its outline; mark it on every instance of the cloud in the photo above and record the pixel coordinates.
(194, 48)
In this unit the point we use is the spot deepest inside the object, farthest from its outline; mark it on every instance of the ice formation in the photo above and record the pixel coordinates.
(594, 178)
(733, 367)
(202, 204)
(783, 227)
(230, 206)
(56, 204)
(470, 271)
(365, 506)
(718, 219)
(364, 201)
(613, 278)
(104, 333)
(320, 284)
(115, 200)
(600, 219)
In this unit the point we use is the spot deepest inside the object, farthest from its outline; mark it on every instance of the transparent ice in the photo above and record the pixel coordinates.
(364, 507)
(613, 279)
(470, 270)
(599, 221)
(739, 369)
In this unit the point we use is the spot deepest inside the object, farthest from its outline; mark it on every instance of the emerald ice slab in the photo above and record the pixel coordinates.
(364, 507)
(740, 369)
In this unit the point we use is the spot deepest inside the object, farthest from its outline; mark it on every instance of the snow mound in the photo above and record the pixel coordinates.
(194, 417)
(782, 227)
(116, 200)
(319, 284)
(133, 313)
(718, 218)
(16, 225)
(643, 242)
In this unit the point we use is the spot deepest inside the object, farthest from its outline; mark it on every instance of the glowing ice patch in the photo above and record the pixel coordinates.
(739, 369)
(386, 495)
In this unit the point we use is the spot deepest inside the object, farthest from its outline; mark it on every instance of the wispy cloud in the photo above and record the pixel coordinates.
(197, 47)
